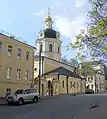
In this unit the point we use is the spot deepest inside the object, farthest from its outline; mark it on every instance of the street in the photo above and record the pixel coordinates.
(62, 107)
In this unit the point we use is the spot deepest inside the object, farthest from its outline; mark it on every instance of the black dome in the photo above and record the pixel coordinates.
(49, 33)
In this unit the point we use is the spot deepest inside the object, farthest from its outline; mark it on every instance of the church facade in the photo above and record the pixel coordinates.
(48, 58)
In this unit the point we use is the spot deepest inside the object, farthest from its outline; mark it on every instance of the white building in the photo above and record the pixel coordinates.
(97, 80)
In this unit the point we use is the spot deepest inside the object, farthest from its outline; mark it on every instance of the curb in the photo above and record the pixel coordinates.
(3, 103)
(49, 97)
(56, 96)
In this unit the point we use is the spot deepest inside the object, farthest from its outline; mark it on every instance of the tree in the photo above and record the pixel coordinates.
(73, 62)
(92, 42)
(64, 59)
(86, 69)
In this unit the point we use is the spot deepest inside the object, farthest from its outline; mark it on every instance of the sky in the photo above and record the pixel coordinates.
(25, 18)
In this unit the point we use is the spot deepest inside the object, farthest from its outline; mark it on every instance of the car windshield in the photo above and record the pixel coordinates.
(19, 91)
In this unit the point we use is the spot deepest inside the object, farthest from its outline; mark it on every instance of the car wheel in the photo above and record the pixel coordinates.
(20, 101)
(35, 100)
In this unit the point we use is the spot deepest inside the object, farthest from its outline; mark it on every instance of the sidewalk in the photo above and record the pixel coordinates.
(2, 101)
(56, 96)
(49, 97)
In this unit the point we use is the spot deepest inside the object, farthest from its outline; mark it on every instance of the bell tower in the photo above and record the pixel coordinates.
(50, 40)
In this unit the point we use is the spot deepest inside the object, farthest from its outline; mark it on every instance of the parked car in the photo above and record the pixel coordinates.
(23, 95)
(89, 91)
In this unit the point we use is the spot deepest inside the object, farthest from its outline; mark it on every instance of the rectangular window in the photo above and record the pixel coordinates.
(77, 85)
(71, 84)
(62, 84)
(27, 55)
(0, 46)
(8, 73)
(18, 74)
(27, 75)
(74, 85)
(9, 50)
(19, 53)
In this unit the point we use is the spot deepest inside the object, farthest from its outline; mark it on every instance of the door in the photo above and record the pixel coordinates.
(27, 95)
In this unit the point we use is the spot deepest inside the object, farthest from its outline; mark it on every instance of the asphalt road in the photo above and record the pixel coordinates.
(63, 107)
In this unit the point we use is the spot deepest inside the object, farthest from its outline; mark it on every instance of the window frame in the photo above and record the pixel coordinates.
(50, 47)
(71, 84)
(26, 75)
(27, 55)
(77, 85)
(74, 84)
(19, 52)
(63, 84)
(9, 73)
(9, 50)
(18, 75)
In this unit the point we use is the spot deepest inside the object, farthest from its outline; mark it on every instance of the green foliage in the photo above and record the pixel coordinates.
(94, 43)
(73, 62)
(86, 69)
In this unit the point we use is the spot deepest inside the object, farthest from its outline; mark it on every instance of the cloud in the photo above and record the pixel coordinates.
(43, 12)
(80, 3)
(40, 13)
(70, 28)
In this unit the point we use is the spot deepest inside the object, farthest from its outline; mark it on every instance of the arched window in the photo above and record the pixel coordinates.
(50, 48)
(58, 49)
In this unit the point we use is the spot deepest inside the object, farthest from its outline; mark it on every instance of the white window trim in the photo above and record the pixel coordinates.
(19, 57)
(18, 74)
(27, 75)
(27, 55)
(10, 53)
(9, 71)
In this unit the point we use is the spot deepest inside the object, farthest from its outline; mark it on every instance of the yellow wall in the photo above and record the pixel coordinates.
(49, 67)
(71, 89)
(57, 85)
(12, 85)
(14, 63)
(105, 84)
(36, 65)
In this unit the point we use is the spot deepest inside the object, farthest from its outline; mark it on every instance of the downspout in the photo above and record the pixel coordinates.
(42, 65)
(58, 85)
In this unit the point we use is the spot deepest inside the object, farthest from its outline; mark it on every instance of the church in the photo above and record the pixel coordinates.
(51, 75)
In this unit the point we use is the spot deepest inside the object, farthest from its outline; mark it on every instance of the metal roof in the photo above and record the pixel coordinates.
(63, 71)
